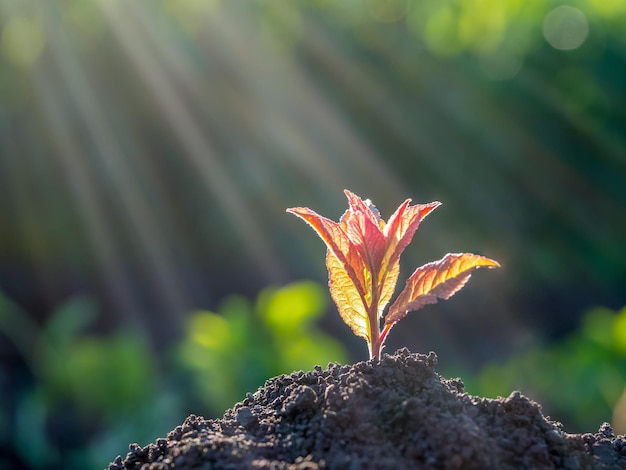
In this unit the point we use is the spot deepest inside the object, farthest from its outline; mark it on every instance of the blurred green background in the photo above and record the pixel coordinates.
(148, 150)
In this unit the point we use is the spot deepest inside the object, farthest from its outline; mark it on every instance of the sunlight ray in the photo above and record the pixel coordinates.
(83, 186)
(304, 110)
(257, 107)
(245, 106)
(113, 159)
(199, 150)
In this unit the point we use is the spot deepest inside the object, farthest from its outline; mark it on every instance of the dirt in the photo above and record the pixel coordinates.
(394, 414)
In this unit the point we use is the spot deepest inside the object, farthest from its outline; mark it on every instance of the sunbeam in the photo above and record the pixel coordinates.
(199, 150)
(114, 162)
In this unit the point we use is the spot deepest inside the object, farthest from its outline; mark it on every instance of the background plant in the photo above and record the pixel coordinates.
(66, 411)
(81, 397)
(84, 397)
(234, 350)
(579, 379)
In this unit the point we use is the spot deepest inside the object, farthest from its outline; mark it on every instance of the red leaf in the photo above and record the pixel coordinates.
(437, 280)
(338, 244)
(363, 227)
(401, 227)
(363, 261)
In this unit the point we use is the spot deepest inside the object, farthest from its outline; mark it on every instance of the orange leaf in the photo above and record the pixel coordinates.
(338, 244)
(437, 280)
(362, 224)
(401, 227)
(363, 261)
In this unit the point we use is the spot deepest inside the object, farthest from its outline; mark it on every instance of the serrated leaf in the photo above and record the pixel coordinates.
(437, 280)
(337, 241)
(402, 226)
(363, 261)
(363, 227)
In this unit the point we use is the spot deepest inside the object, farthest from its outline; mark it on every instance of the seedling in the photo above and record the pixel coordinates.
(363, 261)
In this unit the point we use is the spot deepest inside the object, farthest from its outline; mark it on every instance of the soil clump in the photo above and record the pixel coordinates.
(394, 414)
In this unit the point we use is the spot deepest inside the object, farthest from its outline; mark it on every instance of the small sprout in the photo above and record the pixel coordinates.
(363, 261)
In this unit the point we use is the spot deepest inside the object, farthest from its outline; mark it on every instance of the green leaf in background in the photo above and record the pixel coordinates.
(293, 307)
(234, 351)
(579, 379)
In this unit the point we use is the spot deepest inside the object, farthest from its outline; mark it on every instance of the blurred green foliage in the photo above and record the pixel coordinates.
(93, 373)
(244, 344)
(88, 396)
(85, 396)
(578, 379)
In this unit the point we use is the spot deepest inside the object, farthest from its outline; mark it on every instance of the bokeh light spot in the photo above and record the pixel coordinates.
(565, 28)
(22, 41)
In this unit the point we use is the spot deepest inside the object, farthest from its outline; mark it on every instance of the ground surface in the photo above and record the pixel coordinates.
(398, 413)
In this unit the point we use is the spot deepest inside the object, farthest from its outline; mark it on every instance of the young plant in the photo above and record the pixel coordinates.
(363, 261)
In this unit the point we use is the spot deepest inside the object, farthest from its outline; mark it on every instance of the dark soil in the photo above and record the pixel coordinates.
(394, 414)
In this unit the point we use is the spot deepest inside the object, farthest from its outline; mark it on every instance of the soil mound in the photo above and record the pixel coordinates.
(394, 414)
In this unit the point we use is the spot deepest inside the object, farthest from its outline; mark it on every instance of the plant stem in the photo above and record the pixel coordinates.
(376, 346)
(374, 321)
(375, 343)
